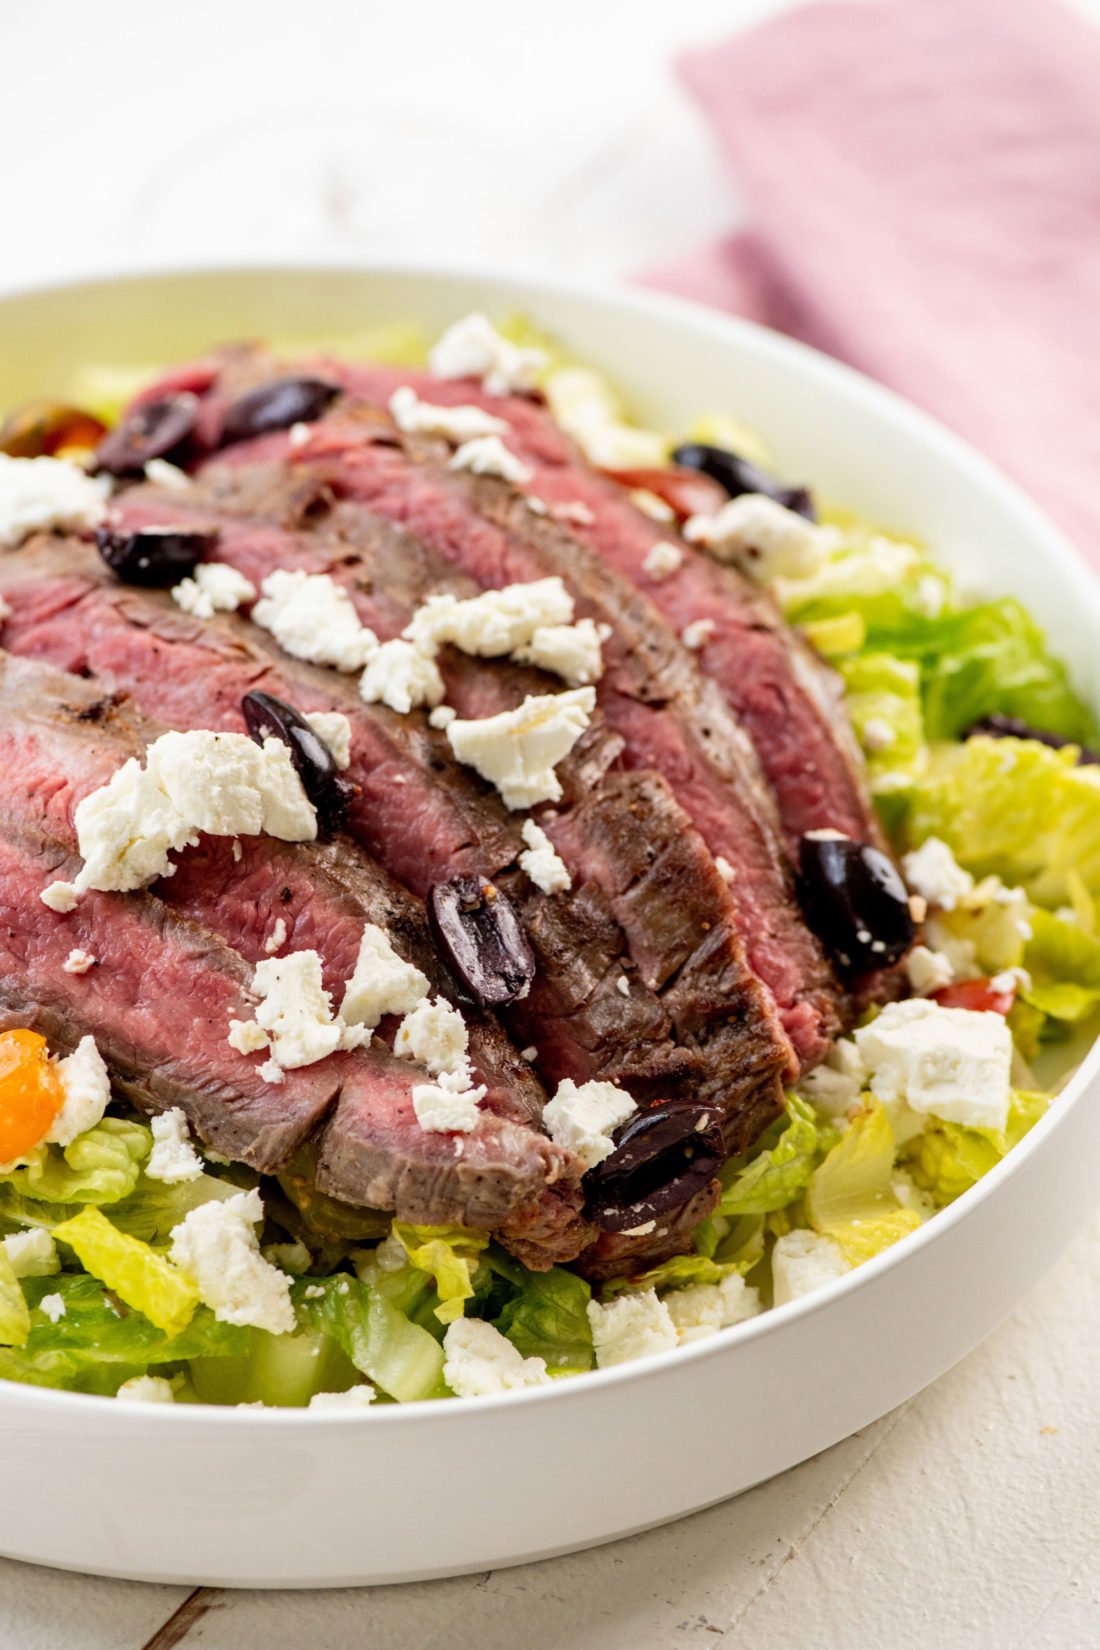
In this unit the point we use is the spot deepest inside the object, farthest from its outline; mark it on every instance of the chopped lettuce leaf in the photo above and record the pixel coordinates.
(851, 1198)
(1016, 809)
(947, 1159)
(884, 704)
(136, 1273)
(15, 1318)
(399, 1356)
(547, 1318)
(679, 1272)
(154, 1207)
(836, 637)
(450, 1254)
(101, 1166)
(779, 1172)
(1063, 963)
(720, 430)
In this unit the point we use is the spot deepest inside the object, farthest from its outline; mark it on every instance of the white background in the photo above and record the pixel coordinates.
(552, 136)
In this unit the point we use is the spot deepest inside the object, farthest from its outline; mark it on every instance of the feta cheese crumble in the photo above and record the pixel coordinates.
(835, 1086)
(582, 1116)
(704, 1308)
(87, 1089)
(802, 1261)
(295, 1013)
(313, 618)
(542, 862)
(214, 587)
(480, 1362)
(381, 982)
(473, 348)
(277, 937)
(442, 716)
(434, 1034)
(662, 560)
(878, 735)
(518, 750)
(651, 505)
(37, 493)
(696, 635)
(486, 455)
(571, 651)
(401, 676)
(147, 1389)
(334, 730)
(173, 1158)
(622, 986)
(217, 1248)
(950, 1062)
(78, 962)
(494, 623)
(159, 473)
(724, 868)
(53, 1306)
(32, 1254)
(933, 872)
(762, 537)
(356, 1397)
(454, 424)
(60, 897)
(246, 1036)
(449, 1105)
(928, 971)
(632, 1326)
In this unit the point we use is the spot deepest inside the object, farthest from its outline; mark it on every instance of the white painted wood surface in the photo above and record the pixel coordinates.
(552, 136)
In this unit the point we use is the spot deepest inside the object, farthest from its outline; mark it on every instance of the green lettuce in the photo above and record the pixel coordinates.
(1063, 964)
(134, 1271)
(884, 694)
(778, 1172)
(15, 1318)
(850, 1197)
(399, 1356)
(947, 1159)
(547, 1318)
(101, 1166)
(451, 1255)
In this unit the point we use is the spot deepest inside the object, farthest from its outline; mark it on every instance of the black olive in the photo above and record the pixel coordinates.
(737, 475)
(267, 717)
(855, 901)
(662, 1157)
(1010, 727)
(276, 406)
(159, 429)
(482, 939)
(154, 557)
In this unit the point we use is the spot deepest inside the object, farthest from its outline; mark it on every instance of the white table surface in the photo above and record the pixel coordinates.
(556, 137)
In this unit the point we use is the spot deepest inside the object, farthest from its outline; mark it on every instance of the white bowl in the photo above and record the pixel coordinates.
(286, 1498)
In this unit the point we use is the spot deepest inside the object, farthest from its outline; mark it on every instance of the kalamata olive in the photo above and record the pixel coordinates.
(157, 429)
(41, 428)
(267, 717)
(1011, 727)
(482, 939)
(662, 1157)
(276, 406)
(855, 901)
(154, 557)
(737, 475)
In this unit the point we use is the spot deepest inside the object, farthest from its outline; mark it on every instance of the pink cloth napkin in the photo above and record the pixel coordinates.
(923, 178)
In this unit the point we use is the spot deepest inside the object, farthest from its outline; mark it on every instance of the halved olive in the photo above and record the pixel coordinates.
(1011, 727)
(482, 938)
(267, 717)
(855, 901)
(737, 475)
(154, 557)
(276, 406)
(41, 428)
(157, 429)
(662, 1157)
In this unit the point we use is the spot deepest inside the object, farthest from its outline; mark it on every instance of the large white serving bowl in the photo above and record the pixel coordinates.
(241, 1497)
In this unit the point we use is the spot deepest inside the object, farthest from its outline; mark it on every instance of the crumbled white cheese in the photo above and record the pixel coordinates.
(574, 513)
(529, 1053)
(878, 735)
(36, 493)
(803, 1261)
(473, 348)
(581, 1117)
(401, 676)
(571, 651)
(277, 937)
(633, 1326)
(950, 1062)
(542, 862)
(448, 1105)
(312, 617)
(442, 716)
(214, 587)
(928, 971)
(246, 1036)
(696, 635)
(78, 962)
(762, 537)
(87, 1090)
(651, 505)
(334, 730)
(381, 983)
(53, 1306)
(835, 1086)
(60, 897)
(221, 783)
(217, 1248)
(32, 1254)
(622, 986)
(299, 434)
(933, 872)
(491, 624)
(356, 1397)
(296, 1012)
(159, 473)
(518, 750)
(662, 560)
(480, 1362)
(272, 1072)
(147, 1389)
(704, 1308)
(486, 455)
(173, 1158)
(434, 1034)
(724, 868)
(455, 424)
(537, 506)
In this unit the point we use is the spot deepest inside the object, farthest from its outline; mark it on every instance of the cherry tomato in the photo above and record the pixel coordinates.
(981, 996)
(40, 428)
(31, 1094)
(686, 492)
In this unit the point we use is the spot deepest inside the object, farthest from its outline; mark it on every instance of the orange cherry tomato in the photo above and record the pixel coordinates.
(31, 1094)
(980, 996)
(41, 428)
(686, 492)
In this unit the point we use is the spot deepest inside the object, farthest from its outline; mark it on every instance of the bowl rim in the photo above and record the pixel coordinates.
(817, 368)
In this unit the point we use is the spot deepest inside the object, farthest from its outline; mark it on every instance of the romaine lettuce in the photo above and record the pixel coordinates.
(850, 1197)
(101, 1166)
(776, 1174)
(547, 1318)
(450, 1254)
(135, 1272)
(947, 1159)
